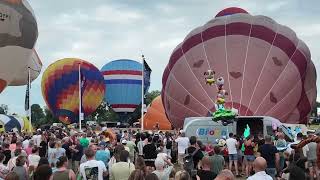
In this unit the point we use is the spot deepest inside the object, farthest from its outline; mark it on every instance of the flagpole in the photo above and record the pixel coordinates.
(80, 97)
(29, 87)
(142, 94)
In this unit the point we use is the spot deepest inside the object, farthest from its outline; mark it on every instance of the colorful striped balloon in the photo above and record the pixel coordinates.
(60, 88)
(124, 81)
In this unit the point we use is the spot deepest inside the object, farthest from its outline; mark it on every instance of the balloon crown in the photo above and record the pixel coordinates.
(231, 11)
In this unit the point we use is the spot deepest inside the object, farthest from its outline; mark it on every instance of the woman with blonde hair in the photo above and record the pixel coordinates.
(182, 175)
(59, 150)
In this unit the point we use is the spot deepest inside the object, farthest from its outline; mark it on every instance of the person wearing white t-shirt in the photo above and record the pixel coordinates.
(183, 143)
(92, 169)
(232, 145)
(37, 138)
(34, 158)
(25, 143)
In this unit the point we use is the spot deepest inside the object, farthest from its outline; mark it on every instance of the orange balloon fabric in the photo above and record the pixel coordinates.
(156, 114)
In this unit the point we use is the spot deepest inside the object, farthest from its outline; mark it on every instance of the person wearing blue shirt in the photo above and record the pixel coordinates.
(103, 155)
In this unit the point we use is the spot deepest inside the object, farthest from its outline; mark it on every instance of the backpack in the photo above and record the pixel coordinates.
(188, 164)
(169, 143)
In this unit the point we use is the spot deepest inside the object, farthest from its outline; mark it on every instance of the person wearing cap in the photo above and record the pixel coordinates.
(124, 143)
(305, 149)
(162, 172)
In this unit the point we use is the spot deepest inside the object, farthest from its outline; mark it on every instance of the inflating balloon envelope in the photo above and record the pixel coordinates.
(267, 70)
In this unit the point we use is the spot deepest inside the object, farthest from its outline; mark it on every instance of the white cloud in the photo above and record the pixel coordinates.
(112, 14)
(169, 43)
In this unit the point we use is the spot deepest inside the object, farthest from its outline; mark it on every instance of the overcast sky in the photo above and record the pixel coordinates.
(103, 30)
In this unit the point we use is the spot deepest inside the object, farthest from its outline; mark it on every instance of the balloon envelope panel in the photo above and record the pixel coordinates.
(123, 79)
(263, 63)
(60, 88)
(35, 66)
(18, 34)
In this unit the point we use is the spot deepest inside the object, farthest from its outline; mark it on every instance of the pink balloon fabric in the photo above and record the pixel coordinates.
(267, 70)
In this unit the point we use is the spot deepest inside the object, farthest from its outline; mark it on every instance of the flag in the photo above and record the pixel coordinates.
(27, 97)
(146, 75)
(83, 86)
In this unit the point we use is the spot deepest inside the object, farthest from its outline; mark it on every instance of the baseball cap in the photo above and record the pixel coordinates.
(124, 141)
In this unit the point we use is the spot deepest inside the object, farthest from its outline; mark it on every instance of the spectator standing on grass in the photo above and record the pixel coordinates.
(205, 173)
(168, 141)
(312, 158)
(162, 172)
(305, 149)
(122, 170)
(270, 153)
(249, 154)
(92, 169)
(259, 166)
(84, 141)
(183, 143)
(195, 150)
(150, 153)
(232, 145)
(225, 174)
(217, 161)
(62, 172)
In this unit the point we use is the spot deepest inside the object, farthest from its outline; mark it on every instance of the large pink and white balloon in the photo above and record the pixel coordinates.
(266, 67)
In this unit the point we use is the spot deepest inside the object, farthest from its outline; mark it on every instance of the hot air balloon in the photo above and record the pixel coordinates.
(19, 32)
(35, 65)
(8, 123)
(267, 70)
(156, 115)
(60, 88)
(123, 79)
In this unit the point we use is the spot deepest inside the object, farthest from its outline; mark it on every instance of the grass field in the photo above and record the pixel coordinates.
(314, 126)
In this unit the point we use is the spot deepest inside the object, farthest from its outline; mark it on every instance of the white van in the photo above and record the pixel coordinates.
(208, 131)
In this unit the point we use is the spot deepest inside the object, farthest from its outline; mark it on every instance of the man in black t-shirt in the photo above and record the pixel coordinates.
(150, 153)
(77, 152)
(205, 173)
(270, 153)
(193, 147)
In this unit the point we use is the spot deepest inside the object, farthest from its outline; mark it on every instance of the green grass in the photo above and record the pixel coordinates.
(314, 126)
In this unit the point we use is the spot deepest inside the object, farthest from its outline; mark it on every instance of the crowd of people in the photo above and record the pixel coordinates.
(63, 154)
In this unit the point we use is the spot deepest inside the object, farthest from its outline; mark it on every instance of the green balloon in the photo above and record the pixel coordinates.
(246, 132)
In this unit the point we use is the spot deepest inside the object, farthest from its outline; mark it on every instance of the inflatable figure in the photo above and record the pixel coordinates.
(210, 77)
(315, 139)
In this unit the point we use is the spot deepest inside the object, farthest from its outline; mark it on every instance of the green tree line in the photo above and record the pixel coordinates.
(43, 116)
